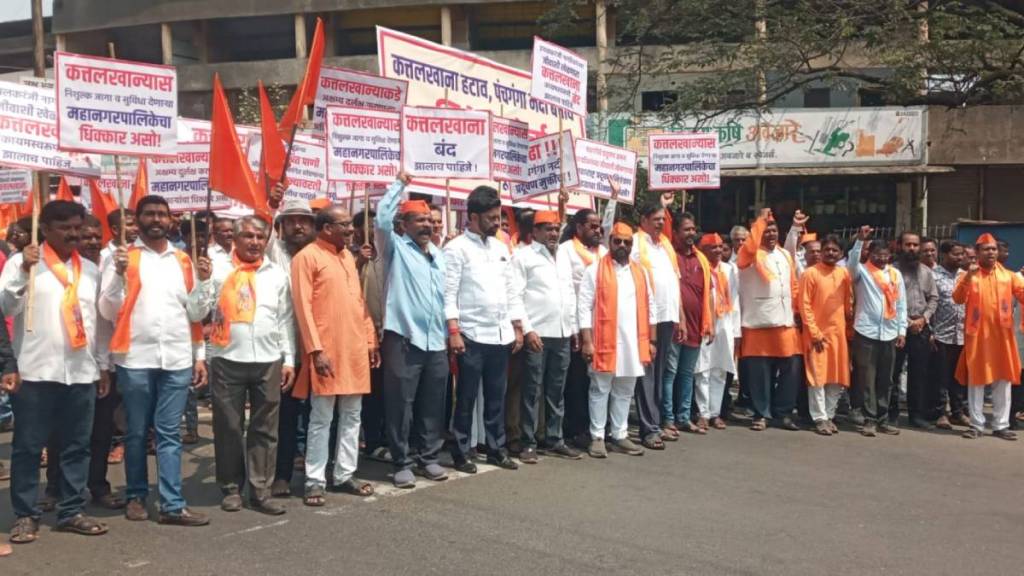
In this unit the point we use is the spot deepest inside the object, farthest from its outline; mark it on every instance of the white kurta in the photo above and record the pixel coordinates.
(719, 353)
(663, 276)
(627, 347)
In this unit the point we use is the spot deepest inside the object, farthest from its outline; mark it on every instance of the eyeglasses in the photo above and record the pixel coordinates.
(622, 241)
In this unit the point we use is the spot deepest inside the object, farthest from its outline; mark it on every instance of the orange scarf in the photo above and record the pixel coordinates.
(723, 302)
(237, 301)
(1004, 295)
(890, 289)
(606, 315)
(645, 255)
(121, 341)
(585, 255)
(70, 309)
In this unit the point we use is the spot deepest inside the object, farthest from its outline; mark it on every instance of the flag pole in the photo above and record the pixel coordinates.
(447, 189)
(561, 173)
(209, 219)
(192, 237)
(30, 311)
(117, 166)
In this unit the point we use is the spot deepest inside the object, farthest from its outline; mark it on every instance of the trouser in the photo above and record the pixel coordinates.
(773, 383)
(373, 413)
(921, 392)
(609, 405)
(803, 400)
(486, 363)
(346, 457)
(39, 408)
(1000, 405)
(577, 398)
(677, 382)
(943, 362)
(154, 398)
(514, 395)
(99, 447)
(293, 413)
(873, 375)
(727, 402)
(823, 400)
(192, 412)
(414, 382)
(648, 387)
(245, 454)
(544, 372)
(709, 390)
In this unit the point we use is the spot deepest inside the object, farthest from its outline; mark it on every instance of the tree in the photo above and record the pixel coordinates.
(745, 54)
(249, 103)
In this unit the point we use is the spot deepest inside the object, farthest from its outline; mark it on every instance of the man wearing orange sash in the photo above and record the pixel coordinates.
(770, 361)
(989, 356)
(879, 325)
(252, 361)
(156, 301)
(717, 358)
(825, 305)
(617, 327)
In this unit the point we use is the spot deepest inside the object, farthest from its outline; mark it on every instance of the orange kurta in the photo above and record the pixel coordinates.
(825, 304)
(781, 341)
(990, 347)
(332, 317)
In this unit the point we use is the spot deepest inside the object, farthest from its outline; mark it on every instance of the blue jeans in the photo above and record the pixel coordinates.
(677, 384)
(154, 398)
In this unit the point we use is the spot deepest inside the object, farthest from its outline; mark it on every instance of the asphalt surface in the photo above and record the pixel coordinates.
(733, 502)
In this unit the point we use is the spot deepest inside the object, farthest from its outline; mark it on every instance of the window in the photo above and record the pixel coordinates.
(657, 101)
(512, 26)
(251, 39)
(817, 98)
(870, 97)
(356, 32)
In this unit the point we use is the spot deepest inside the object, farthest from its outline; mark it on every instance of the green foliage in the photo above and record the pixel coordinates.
(249, 103)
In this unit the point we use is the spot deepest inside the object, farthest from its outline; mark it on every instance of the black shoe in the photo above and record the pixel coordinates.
(464, 466)
(562, 451)
(528, 456)
(789, 424)
(501, 460)
(921, 423)
(856, 417)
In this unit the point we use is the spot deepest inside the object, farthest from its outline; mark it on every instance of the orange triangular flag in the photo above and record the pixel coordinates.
(141, 186)
(229, 170)
(25, 208)
(102, 205)
(64, 191)
(273, 149)
(305, 92)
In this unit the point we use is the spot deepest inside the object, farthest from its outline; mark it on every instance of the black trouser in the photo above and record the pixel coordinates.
(726, 409)
(487, 363)
(373, 413)
(921, 392)
(648, 387)
(245, 454)
(577, 399)
(943, 364)
(415, 383)
(291, 413)
(872, 374)
(773, 383)
(544, 372)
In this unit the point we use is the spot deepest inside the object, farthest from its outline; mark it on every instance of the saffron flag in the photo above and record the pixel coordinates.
(305, 92)
(141, 186)
(273, 148)
(102, 205)
(64, 191)
(229, 171)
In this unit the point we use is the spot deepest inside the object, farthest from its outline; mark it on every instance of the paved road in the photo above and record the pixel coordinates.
(734, 502)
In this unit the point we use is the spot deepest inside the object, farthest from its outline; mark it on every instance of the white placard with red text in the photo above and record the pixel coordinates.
(543, 172)
(446, 143)
(597, 162)
(679, 161)
(115, 106)
(307, 166)
(343, 191)
(511, 143)
(352, 89)
(363, 145)
(28, 133)
(15, 185)
(559, 76)
(184, 178)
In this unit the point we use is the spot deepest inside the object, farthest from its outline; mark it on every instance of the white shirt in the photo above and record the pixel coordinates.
(278, 253)
(271, 334)
(479, 289)
(549, 297)
(107, 254)
(627, 347)
(719, 353)
(663, 277)
(44, 354)
(220, 258)
(160, 334)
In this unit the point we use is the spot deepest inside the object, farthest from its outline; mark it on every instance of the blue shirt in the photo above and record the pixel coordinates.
(414, 307)
(869, 313)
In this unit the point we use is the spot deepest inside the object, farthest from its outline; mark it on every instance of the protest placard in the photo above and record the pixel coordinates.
(559, 76)
(442, 75)
(597, 161)
(363, 145)
(15, 185)
(510, 140)
(116, 106)
(343, 191)
(183, 179)
(683, 161)
(543, 172)
(446, 143)
(307, 166)
(28, 133)
(353, 89)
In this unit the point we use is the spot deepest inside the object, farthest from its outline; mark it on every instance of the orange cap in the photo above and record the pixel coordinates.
(545, 217)
(985, 238)
(622, 230)
(414, 207)
(712, 239)
(319, 203)
(809, 237)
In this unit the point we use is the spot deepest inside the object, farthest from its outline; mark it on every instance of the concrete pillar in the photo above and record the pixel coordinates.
(300, 36)
(202, 43)
(904, 206)
(330, 24)
(167, 44)
(446, 25)
(601, 33)
(60, 42)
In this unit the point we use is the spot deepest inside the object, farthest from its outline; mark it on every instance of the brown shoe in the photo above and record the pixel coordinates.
(135, 510)
(943, 423)
(183, 517)
(231, 503)
(108, 501)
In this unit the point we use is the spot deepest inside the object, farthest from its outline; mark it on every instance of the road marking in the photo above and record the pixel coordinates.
(136, 564)
(255, 528)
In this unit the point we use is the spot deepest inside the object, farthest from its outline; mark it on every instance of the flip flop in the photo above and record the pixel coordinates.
(653, 442)
(314, 497)
(25, 530)
(350, 486)
(84, 525)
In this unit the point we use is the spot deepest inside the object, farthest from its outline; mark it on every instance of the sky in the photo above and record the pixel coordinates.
(21, 9)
